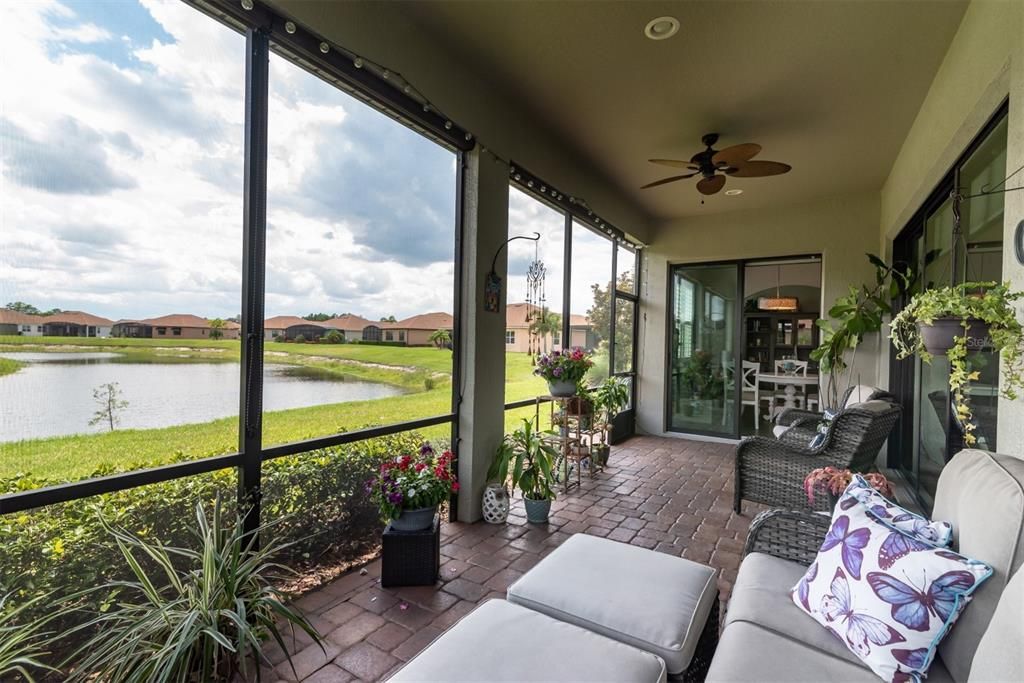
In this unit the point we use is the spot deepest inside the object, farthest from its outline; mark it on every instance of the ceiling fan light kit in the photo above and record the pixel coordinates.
(714, 165)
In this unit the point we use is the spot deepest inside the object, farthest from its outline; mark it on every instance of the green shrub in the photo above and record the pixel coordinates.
(62, 549)
(334, 337)
(300, 339)
(429, 383)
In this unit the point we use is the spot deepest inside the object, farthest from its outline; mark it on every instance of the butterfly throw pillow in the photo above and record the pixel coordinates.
(936, 533)
(887, 595)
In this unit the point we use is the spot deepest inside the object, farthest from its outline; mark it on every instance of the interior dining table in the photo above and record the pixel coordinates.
(790, 381)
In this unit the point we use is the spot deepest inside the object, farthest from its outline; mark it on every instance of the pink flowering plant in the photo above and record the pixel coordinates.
(835, 481)
(570, 365)
(410, 482)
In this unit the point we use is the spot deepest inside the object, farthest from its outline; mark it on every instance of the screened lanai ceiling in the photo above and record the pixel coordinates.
(829, 87)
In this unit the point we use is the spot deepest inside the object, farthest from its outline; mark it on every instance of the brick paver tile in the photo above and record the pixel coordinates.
(311, 658)
(366, 661)
(467, 590)
(351, 632)
(373, 600)
(330, 674)
(410, 615)
(413, 646)
(389, 636)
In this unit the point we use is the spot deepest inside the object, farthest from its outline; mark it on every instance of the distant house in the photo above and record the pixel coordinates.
(517, 331)
(76, 324)
(414, 331)
(64, 324)
(14, 322)
(350, 326)
(174, 326)
(291, 326)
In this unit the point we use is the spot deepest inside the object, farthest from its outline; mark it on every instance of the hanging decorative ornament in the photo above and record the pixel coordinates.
(536, 302)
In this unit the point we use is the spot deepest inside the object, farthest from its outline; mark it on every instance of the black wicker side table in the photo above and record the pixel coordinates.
(411, 558)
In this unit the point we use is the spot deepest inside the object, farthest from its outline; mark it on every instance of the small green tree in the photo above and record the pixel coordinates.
(109, 398)
(334, 337)
(441, 338)
(217, 328)
(300, 339)
(544, 325)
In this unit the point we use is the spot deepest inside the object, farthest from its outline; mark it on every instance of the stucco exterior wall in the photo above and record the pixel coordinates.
(983, 66)
(841, 229)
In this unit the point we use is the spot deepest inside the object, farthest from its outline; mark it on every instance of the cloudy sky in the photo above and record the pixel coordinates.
(121, 179)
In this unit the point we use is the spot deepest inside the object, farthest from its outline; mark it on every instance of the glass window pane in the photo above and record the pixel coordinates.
(590, 296)
(983, 216)
(533, 309)
(360, 264)
(121, 165)
(625, 312)
(625, 265)
(702, 376)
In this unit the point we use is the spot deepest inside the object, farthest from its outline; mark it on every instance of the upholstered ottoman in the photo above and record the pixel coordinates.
(662, 604)
(499, 641)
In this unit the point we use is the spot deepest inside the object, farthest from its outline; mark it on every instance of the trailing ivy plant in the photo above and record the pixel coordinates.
(853, 316)
(989, 302)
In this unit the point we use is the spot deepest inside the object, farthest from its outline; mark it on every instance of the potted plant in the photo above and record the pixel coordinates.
(834, 481)
(563, 370)
(530, 460)
(409, 488)
(199, 613)
(956, 321)
(610, 398)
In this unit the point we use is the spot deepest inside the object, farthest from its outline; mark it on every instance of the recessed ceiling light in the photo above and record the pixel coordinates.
(661, 28)
(734, 192)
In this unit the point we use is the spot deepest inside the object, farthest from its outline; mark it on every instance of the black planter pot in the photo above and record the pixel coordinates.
(938, 337)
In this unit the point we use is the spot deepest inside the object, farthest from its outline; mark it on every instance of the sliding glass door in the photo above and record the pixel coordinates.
(926, 441)
(702, 354)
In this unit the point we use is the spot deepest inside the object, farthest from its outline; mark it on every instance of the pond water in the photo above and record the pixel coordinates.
(52, 394)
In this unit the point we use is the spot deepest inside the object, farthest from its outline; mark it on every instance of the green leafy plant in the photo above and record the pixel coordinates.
(988, 302)
(23, 641)
(851, 318)
(334, 337)
(204, 622)
(441, 338)
(529, 459)
(611, 396)
(570, 365)
(700, 376)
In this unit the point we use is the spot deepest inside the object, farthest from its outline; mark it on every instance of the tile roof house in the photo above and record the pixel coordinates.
(517, 330)
(173, 326)
(63, 324)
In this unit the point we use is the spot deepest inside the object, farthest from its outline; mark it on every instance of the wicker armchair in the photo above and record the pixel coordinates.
(772, 470)
(788, 534)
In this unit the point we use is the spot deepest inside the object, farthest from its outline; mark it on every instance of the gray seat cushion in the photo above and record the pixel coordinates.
(499, 641)
(981, 494)
(649, 600)
(761, 596)
(999, 656)
(748, 652)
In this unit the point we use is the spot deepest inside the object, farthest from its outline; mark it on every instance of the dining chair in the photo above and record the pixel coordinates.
(799, 368)
(751, 388)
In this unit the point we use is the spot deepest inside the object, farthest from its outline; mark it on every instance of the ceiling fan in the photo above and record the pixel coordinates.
(711, 164)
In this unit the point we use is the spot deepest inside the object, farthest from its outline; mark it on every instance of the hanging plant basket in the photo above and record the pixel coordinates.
(938, 337)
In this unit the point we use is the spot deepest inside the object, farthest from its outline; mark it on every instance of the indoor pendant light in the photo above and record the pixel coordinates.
(778, 302)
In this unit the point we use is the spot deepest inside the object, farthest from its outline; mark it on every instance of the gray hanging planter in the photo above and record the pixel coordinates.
(938, 337)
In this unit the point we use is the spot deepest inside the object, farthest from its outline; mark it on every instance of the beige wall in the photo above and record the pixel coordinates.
(840, 229)
(388, 35)
(984, 66)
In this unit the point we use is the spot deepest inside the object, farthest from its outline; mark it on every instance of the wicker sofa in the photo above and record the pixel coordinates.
(767, 638)
(771, 470)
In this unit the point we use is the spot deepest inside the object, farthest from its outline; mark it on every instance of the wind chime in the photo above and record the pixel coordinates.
(536, 302)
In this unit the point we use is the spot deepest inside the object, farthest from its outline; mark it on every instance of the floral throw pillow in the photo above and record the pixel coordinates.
(888, 596)
(936, 533)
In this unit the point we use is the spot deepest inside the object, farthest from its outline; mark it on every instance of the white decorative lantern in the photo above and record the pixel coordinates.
(495, 504)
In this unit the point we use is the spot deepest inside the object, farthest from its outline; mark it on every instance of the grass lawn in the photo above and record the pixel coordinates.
(8, 366)
(78, 456)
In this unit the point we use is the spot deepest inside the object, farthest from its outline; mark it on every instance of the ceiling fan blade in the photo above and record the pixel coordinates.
(668, 180)
(735, 155)
(711, 185)
(674, 163)
(758, 169)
